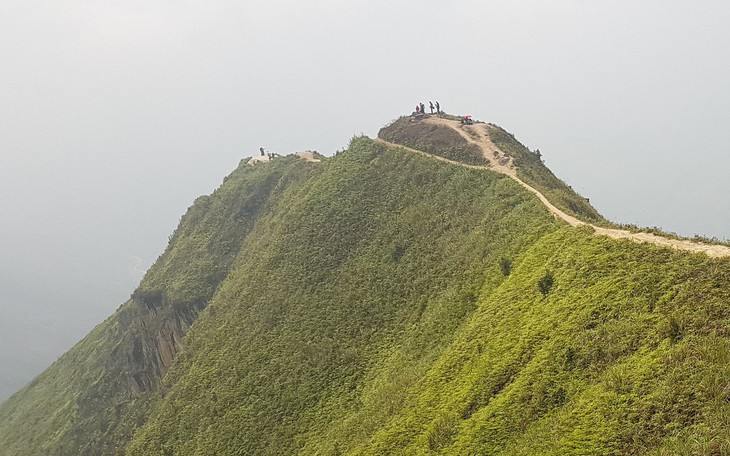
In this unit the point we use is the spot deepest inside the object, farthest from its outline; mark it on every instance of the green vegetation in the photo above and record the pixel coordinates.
(505, 265)
(444, 142)
(533, 172)
(623, 356)
(545, 283)
(96, 394)
(375, 264)
(435, 139)
(381, 302)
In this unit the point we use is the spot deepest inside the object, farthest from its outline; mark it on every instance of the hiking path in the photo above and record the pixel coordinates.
(500, 162)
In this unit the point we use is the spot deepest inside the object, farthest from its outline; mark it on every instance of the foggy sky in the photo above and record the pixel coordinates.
(115, 115)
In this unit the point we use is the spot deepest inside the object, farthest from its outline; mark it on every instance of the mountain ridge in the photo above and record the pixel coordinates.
(497, 160)
(380, 301)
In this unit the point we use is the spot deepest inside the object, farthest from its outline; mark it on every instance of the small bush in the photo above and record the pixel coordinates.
(505, 265)
(545, 283)
(441, 432)
(398, 253)
(673, 329)
(149, 299)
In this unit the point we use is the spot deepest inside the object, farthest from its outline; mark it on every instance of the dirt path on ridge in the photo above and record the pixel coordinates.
(478, 134)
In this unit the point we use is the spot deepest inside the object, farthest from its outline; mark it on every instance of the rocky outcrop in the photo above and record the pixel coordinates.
(156, 328)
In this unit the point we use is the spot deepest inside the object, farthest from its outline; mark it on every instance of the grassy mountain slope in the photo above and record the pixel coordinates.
(93, 397)
(626, 354)
(444, 142)
(378, 259)
(533, 171)
(434, 139)
(383, 302)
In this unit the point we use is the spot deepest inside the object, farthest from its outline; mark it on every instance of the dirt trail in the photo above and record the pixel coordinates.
(478, 134)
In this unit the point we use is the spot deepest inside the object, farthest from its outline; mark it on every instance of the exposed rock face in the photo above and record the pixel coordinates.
(158, 336)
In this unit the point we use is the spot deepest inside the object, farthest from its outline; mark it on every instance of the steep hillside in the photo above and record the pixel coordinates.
(385, 302)
(533, 171)
(373, 264)
(624, 352)
(91, 399)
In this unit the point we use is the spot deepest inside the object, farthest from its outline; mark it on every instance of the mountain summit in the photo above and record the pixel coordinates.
(436, 290)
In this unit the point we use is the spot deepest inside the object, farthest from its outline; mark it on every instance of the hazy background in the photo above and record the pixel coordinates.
(115, 115)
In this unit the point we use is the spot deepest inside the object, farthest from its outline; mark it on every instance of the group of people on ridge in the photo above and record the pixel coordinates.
(421, 108)
(271, 155)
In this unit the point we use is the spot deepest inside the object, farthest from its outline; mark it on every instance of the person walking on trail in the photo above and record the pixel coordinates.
(438, 108)
(423, 108)
(262, 151)
(430, 105)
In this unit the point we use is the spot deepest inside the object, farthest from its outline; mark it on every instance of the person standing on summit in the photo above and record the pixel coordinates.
(423, 108)
(430, 105)
(262, 151)
(438, 108)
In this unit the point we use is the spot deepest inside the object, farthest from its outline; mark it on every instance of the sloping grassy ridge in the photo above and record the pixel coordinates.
(415, 342)
(435, 139)
(381, 302)
(533, 171)
(90, 401)
(442, 141)
(626, 354)
(364, 272)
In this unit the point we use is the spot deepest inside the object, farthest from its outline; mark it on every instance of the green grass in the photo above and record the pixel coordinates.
(381, 302)
(438, 140)
(532, 171)
(377, 263)
(91, 399)
(607, 363)
(442, 141)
